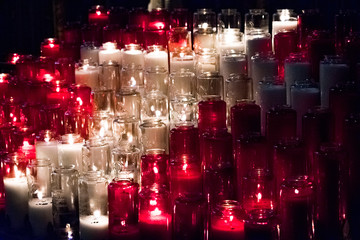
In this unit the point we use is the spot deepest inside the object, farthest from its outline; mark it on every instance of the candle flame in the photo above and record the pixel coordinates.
(123, 223)
(98, 13)
(97, 213)
(231, 218)
(40, 195)
(15, 58)
(185, 166)
(47, 77)
(157, 113)
(156, 212)
(102, 132)
(17, 172)
(79, 101)
(69, 231)
(296, 191)
(285, 15)
(156, 170)
(71, 139)
(132, 82)
(153, 202)
(204, 25)
(109, 46)
(258, 197)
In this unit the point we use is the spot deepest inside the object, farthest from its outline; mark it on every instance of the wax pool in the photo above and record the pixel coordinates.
(94, 227)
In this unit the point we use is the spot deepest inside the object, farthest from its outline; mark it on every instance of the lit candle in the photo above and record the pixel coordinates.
(231, 40)
(233, 63)
(40, 215)
(70, 151)
(47, 149)
(109, 53)
(156, 56)
(284, 21)
(87, 75)
(16, 197)
(133, 55)
(182, 60)
(226, 222)
(94, 227)
(50, 48)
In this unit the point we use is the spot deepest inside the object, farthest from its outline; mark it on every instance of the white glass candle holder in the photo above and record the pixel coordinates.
(156, 79)
(237, 87)
(333, 70)
(284, 20)
(209, 84)
(256, 19)
(109, 75)
(232, 62)
(69, 150)
(296, 69)
(182, 60)
(126, 132)
(103, 101)
(96, 156)
(229, 19)
(87, 73)
(101, 126)
(183, 110)
(40, 201)
(47, 147)
(204, 29)
(132, 78)
(89, 51)
(156, 56)
(262, 65)
(65, 199)
(109, 52)
(207, 60)
(304, 96)
(272, 93)
(128, 104)
(230, 39)
(154, 135)
(133, 54)
(182, 84)
(155, 106)
(127, 163)
(93, 210)
(16, 190)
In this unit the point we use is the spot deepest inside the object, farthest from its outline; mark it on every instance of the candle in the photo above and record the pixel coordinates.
(154, 135)
(207, 60)
(204, 39)
(87, 75)
(154, 167)
(210, 85)
(233, 63)
(212, 115)
(40, 215)
(70, 151)
(184, 141)
(98, 15)
(156, 56)
(261, 224)
(94, 227)
(256, 20)
(90, 52)
(96, 155)
(227, 222)
(155, 106)
(133, 55)
(156, 79)
(50, 48)
(47, 149)
(285, 20)
(109, 53)
(231, 39)
(182, 60)
(182, 85)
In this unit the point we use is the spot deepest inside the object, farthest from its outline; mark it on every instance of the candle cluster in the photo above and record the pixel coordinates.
(151, 125)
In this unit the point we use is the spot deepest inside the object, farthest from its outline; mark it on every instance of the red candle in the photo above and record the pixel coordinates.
(25, 67)
(159, 19)
(184, 141)
(154, 167)
(155, 38)
(185, 177)
(72, 34)
(53, 117)
(98, 15)
(112, 34)
(138, 18)
(50, 48)
(7, 140)
(92, 34)
(119, 16)
(155, 216)
(284, 44)
(308, 21)
(227, 222)
(261, 224)
(65, 71)
(45, 69)
(4, 84)
(123, 209)
(212, 115)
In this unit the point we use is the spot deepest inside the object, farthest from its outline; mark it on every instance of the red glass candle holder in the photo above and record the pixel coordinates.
(284, 44)
(181, 17)
(297, 208)
(53, 117)
(179, 39)
(4, 84)
(128, 37)
(112, 33)
(308, 21)
(280, 124)
(289, 160)
(119, 16)
(155, 215)
(98, 15)
(184, 141)
(45, 69)
(316, 129)
(216, 150)
(123, 202)
(57, 94)
(38, 92)
(72, 34)
(50, 48)
(154, 168)
(158, 37)
(32, 114)
(227, 222)
(185, 177)
(346, 21)
(189, 217)
(7, 140)
(138, 18)
(25, 67)
(261, 224)
(329, 176)
(212, 115)
(65, 68)
(70, 51)
(92, 34)
(81, 95)
(218, 185)
(343, 100)
(159, 19)
(14, 58)
(77, 121)
(12, 114)
(258, 190)
(245, 119)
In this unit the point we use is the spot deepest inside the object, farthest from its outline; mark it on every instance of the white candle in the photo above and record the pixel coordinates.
(182, 61)
(235, 63)
(283, 26)
(295, 72)
(70, 153)
(47, 150)
(109, 53)
(157, 58)
(133, 55)
(330, 74)
(302, 99)
(257, 43)
(203, 41)
(87, 75)
(231, 46)
(270, 95)
(90, 53)
(40, 215)
(16, 201)
(94, 227)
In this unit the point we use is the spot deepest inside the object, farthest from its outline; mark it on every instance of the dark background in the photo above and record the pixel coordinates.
(25, 23)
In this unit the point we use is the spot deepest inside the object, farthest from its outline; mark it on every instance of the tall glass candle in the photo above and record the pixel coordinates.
(50, 48)
(98, 15)
(227, 221)
(154, 135)
(154, 167)
(109, 53)
(123, 209)
(93, 208)
(47, 148)
(126, 132)
(182, 60)
(133, 54)
(204, 29)
(96, 156)
(184, 142)
(209, 84)
(131, 78)
(90, 52)
(207, 60)
(40, 202)
(284, 20)
(232, 63)
(128, 103)
(297, 208)
(156, 79)
(256, 19)
(87, 74)
(127, 163)
(212, 115)
(156, 55)
(182, 84)
(155, 106)
(261, 224)
(70, 151)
